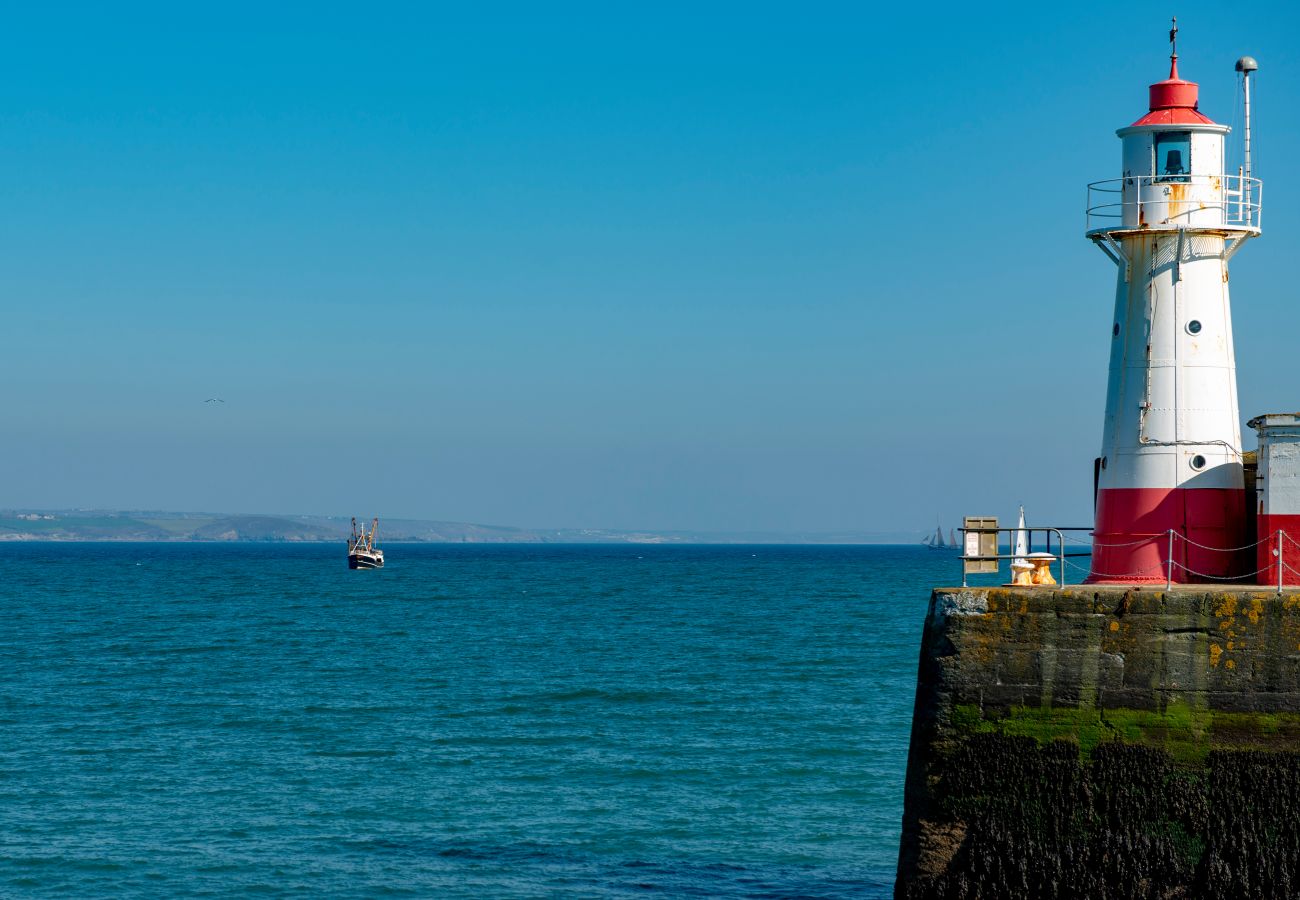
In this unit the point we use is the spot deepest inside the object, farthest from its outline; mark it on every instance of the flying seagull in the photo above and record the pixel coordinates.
(214, 400)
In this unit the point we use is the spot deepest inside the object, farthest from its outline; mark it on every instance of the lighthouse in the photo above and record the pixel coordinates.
(1170, 497)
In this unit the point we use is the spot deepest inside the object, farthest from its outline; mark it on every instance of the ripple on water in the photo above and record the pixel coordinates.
(479, 721)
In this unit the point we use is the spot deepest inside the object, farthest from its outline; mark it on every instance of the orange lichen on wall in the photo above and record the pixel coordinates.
(1256, 608)
(1226, 611)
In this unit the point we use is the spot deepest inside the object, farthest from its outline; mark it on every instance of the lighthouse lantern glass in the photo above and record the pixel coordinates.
(1173, 156)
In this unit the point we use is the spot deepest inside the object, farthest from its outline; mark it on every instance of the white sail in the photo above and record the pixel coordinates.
(1022, 539)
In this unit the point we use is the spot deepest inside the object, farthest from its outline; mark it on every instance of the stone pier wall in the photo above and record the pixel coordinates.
(1105, 742)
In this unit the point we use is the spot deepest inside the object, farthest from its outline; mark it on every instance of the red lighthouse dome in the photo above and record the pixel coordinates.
(1174, 101)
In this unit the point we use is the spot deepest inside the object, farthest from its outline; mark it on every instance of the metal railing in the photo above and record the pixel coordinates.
(1277, 538)
(1046, 530)
(1175, 201)
(1279, 541)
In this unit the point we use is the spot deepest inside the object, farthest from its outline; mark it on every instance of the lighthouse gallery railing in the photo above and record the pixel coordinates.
(1201, 201)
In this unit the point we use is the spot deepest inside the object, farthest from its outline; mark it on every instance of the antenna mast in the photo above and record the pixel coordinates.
(1246, 65)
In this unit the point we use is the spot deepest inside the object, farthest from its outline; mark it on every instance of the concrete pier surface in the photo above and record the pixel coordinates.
(1105, 741)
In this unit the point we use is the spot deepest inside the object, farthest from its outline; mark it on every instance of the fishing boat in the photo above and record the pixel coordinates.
(362, 552)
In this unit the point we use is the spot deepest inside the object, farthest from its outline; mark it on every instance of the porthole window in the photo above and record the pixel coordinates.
(1115, 331)
(1194, 326)
(1198, 462)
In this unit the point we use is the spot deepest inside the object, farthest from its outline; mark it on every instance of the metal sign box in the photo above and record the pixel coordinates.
(980, 545)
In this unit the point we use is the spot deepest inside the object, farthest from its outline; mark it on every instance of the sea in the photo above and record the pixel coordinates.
(470, 721)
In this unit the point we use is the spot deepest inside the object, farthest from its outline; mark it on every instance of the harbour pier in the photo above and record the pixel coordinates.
(1105, 741)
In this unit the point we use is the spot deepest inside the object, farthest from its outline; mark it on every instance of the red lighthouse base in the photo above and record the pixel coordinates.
(1132, 543)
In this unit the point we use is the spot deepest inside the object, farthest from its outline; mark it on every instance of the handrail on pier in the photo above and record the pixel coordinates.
(1277, 539)
(1047, 530)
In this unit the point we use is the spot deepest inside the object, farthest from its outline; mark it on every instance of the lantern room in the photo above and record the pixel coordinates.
(1173, 161)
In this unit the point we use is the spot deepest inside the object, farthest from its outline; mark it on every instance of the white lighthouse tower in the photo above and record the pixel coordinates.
(1169, 479)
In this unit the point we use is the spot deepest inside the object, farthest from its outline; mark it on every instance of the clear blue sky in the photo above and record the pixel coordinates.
(699, 266)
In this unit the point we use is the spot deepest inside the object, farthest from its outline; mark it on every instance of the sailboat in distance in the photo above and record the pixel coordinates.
(936, 542)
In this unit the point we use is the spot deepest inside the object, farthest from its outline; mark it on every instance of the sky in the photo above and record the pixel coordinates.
(714, 267)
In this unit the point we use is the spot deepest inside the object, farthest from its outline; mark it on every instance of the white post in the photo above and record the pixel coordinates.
(1169, 565)
(1279, 561)
(1245, 187)
(1246, 65)
(1246, 129)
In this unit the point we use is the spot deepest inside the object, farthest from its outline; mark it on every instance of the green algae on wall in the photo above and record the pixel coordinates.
(1186, 734)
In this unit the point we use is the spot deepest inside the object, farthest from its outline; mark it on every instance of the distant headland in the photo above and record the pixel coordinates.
(155, 525)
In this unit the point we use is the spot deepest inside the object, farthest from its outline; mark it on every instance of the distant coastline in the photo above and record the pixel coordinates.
(155, 525)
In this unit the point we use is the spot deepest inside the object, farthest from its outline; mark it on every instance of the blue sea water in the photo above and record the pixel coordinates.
(471, 721)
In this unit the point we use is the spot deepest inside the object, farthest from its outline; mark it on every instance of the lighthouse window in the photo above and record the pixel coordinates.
(1173, 156)
(1198, 462)
(1194, 327)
